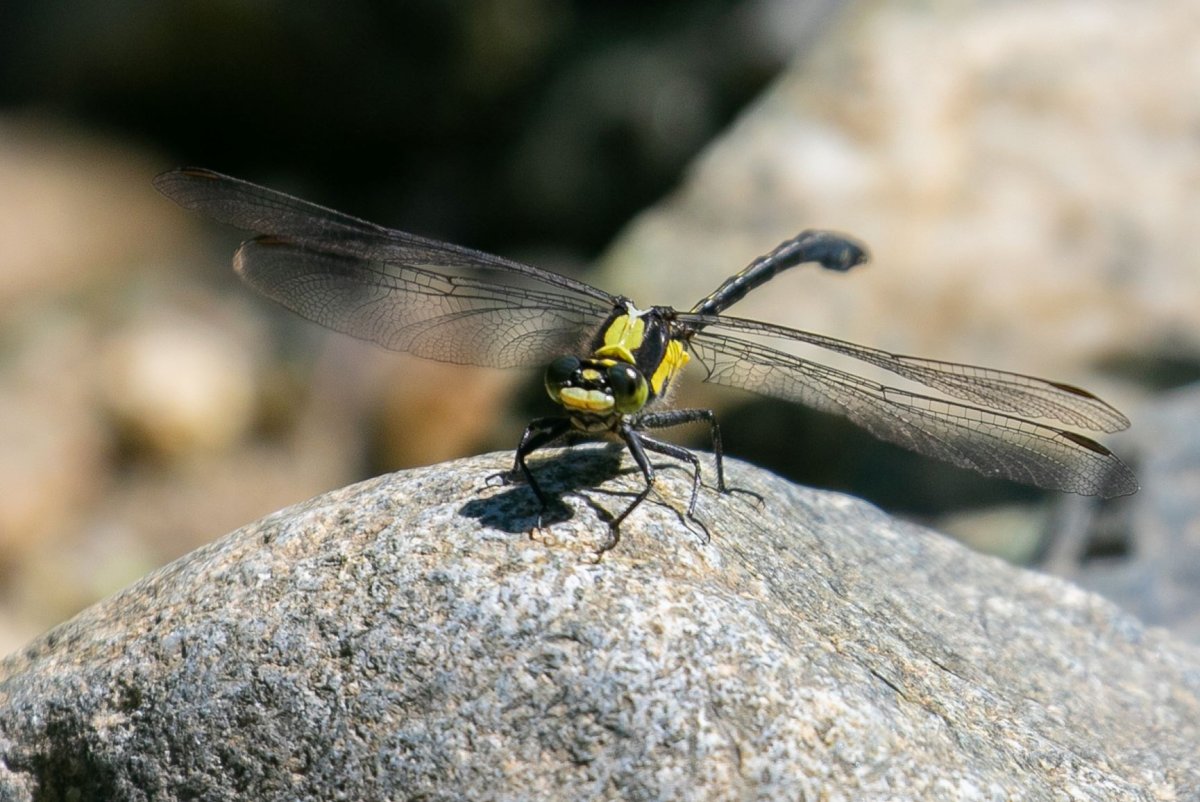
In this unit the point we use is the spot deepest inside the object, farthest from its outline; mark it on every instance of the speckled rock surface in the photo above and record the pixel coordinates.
(405, 639)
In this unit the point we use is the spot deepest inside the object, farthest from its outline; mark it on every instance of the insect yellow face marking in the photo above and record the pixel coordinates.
(585, 400)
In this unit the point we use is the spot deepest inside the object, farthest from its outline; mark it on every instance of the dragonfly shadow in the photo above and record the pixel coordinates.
(565, 473)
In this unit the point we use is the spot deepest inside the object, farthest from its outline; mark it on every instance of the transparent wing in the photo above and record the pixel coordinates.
(989, 438)
(406, 293)
(449, 318)
(1000, 390)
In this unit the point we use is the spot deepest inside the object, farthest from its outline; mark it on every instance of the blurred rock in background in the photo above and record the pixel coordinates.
(1027, 177)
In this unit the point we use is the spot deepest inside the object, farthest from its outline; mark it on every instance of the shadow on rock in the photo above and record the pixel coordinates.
(567, 473)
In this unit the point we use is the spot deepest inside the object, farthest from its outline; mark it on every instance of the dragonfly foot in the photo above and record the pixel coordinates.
(759, 501)
(697, 526)
(502, 479)
(614, 537)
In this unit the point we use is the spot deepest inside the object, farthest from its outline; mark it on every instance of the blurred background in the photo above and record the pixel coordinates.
(1027, 175)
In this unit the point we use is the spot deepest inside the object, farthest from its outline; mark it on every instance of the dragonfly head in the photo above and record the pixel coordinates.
(596, 386)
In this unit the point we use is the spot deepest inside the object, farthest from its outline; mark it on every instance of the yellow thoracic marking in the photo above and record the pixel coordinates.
(673, 362)
(586, 400)
(622, 338)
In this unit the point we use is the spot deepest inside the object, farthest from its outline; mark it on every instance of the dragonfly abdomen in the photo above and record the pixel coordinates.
(832, 251)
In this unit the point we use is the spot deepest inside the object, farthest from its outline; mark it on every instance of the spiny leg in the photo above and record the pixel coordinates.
(540, 432)
(633, 441)
(681, 453)
(677, 417)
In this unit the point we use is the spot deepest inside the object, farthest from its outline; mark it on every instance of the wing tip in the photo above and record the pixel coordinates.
(1112, 419)
(172, 182)
(1119, 481)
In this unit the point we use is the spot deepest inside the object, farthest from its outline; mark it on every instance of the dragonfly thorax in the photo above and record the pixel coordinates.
(645, 339)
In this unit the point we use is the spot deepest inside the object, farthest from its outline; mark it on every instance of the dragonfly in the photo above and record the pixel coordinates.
(609, 364)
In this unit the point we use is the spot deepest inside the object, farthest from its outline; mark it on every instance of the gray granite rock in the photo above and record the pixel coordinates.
(405, 639)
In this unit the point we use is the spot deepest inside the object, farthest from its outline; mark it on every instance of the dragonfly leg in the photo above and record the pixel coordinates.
(676, 417)
(540, 432)
(639, 443)
(635, 443)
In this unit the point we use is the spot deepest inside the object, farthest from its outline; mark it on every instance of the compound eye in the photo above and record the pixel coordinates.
(562, 369)
(628, 387)
(559, 374)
